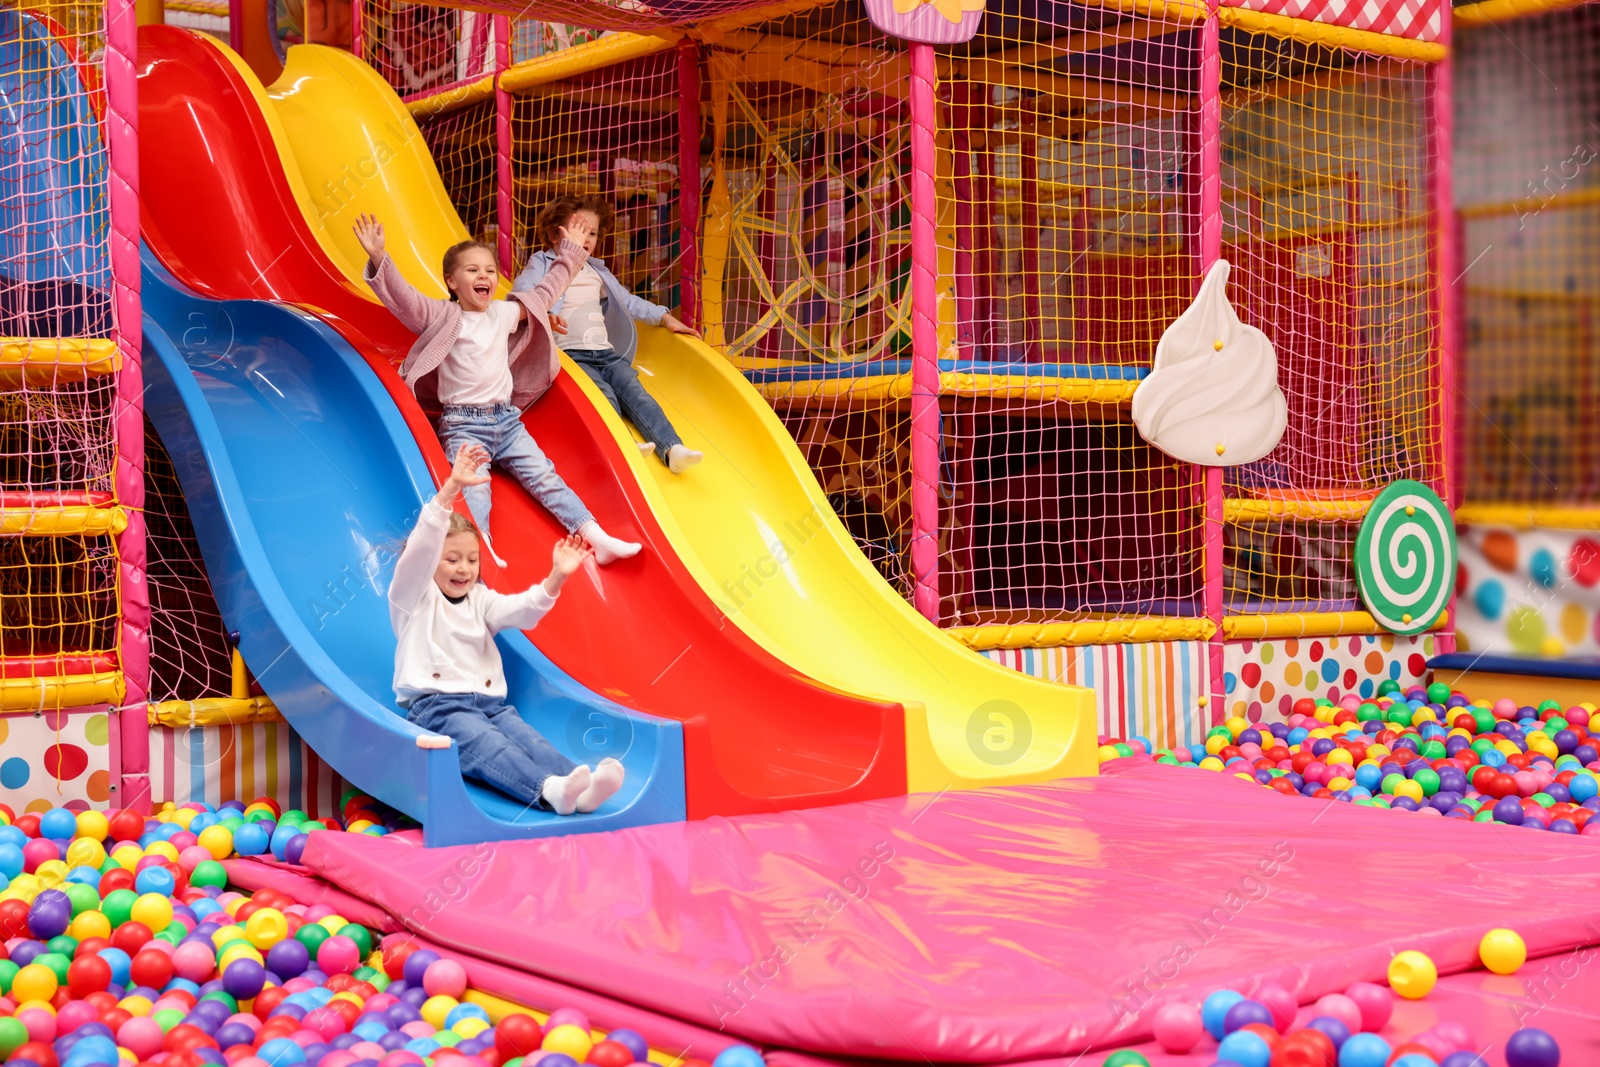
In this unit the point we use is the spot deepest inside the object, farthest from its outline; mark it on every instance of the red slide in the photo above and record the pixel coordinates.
(221, 215)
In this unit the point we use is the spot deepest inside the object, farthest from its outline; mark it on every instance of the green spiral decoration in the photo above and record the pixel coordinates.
(1406, 557)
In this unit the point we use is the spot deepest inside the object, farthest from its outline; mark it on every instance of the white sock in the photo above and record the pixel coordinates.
(646, 446)
(606, 548)
(489, 547)
(561, 792)
(681, 457)
(607, 780)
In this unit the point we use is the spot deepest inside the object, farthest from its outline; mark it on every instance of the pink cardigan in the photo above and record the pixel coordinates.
(437, 323)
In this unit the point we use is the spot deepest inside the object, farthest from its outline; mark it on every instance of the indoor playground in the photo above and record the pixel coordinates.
(1151, 478)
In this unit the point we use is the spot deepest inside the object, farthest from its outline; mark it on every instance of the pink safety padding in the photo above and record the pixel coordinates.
(989, 926)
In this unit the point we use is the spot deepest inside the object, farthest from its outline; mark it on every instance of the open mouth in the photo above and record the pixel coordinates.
(483, 289)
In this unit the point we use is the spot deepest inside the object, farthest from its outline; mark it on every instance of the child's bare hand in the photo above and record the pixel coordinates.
(558, 323)
(369, 231)
(677, 325)
(576, 228)
(470, 460)
(568, 555)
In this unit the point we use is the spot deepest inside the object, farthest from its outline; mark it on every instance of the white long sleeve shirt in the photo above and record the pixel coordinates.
(446, 647)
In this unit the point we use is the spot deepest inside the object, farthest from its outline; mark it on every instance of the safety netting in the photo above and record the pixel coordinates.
(59, 582)
(1527, 186)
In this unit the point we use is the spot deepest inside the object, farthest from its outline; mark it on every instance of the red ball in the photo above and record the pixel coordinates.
(90, 974)
(268, 999)
(115, 1017)
(1305, 706)
(395, 952)
(247, 909)
(38, 1052)
(151, 968)
(185, 1037)
(61, 999)
(131, 936)
(102, 1003)
(1301, 1050)
(114, 879)
(1410, 1047)
(610, 1054)
(1520, 760)
(127, 826)
(89, 946)
(348, 1011)
(1284, 786)
(282, 1026)
(13, 918)
(1264, 1032)
(29, 824)
(518, 1035)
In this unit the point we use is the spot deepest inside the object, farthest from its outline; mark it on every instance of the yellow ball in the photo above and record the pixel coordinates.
(34, 982)
(42, 1005)
(1107, 752)
(1338, 783)
(1410, 789)
(232, 907)
(134, 1005)
(87, 924)
(127, 855)
(266, 928)
(1412, 975)
(1237, 726)
(217, 840)
(237, 952)
(568, 1039)
(434, 1010)
(154, 910)
(1422, 715)
(1216, 744)
(163, 849)
(26, 884)
(86, 852)
(92, 826)
(1339, 755)
(361, 824)
(333, 923)
(1502, 951)
(184, 816)
(1211, 763)
(50, 873)
(471, 1026)
(226, 934)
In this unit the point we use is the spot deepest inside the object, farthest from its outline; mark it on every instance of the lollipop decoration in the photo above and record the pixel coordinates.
(1406, 557)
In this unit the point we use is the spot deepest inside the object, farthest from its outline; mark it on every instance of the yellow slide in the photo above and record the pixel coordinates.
(751, 523)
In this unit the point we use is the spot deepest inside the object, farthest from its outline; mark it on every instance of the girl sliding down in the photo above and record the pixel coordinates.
(447, 671)
(485, 360)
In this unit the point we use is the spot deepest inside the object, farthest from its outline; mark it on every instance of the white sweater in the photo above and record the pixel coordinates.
(445, 647)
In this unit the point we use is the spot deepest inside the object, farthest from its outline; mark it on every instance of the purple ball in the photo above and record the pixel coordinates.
(1532, 1048)
(293, 1011)
(416, 996)
(1463, 1059)
(344, 1041)
(244, 978)
(50, 914)
(416, 964)
(471, 1046)
(634, 1042)
(288, 958)
(295, 849)
(315, 1051)
(1558, 793)
(212, 1009)
(1336, 1031)
(212, 986)
(1563, 826)
(1508, 810)
(1244, 1013)
(1403, 804)
(208, 1055)
(402, 1013)
(392, 1040)
(232, 1034)
(202, 1022)
(26, 953)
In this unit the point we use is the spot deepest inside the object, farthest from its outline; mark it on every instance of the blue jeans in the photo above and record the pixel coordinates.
(495, 745)
(619, 382)
(500, 430)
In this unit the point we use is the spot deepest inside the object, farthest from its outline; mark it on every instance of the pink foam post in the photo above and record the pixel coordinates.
(1210, 167)
(122, 151)
(358, 37)
(689, 180)
(924, 337)
(479, 55)
(505, 212)
(1445, 253)
(235, 25)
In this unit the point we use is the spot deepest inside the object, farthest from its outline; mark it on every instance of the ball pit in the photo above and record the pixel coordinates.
(124, 947)
(1423, 750)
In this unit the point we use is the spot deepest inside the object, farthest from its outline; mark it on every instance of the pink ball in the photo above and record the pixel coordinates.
(379, 1002)
(1316, 771)
(1452, 1037)
(1505, 708)
(1177, 1027)
(249, 1061)
(298, 984)
(167, 949)
(245, 1017)
(74, 1014)
(40, 1024)
(418, 1028)
(474, 1061)
(305, 1038)
(1350, 702)
(565, 1017)
(192, 857)
(193, 961)
(1338, 1006)
(445, 978)
(1280, 1002)
(1527, 783)
(140, 1035)
(1577, 716)
(181, 840)
(339, 1058)
(338, 955)
(368, 1050)
(325, 1021)
(400, 1058)
(1374, 1002)
(318, 912)
(38, 850)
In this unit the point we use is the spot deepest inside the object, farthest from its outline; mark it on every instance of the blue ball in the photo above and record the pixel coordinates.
(281, 1052)
(1364, 1050)
(1214, 1011)
(371, 1031)
(251, 840)
(11, 861)
(155, 880)
(1414, 1059)
(1245, 1049)
(424, 1046)
(738, 1056)
(118, 961)
(58, 822)
(464, 1011)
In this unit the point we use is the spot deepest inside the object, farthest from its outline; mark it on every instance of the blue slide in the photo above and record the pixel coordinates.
(303, 481)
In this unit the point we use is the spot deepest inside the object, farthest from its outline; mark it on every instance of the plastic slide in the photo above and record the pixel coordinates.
(750, 524)
(757, 735)
(302, 482)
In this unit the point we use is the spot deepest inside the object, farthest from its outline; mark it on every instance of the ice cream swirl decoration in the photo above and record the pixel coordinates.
(1406, 557)
(1212, 396)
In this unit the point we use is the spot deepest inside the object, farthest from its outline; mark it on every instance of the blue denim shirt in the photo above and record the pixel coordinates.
(619, 306)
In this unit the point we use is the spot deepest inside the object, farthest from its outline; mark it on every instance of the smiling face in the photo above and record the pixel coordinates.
(473, 279)
(457, 572)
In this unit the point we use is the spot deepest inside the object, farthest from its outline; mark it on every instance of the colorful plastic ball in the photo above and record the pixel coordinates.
(1413, 1059)
(153, 910)
(632, 1040)
(1244, 1013)
(34, 982)
(1412, 975)
(338, 955)
(1280, 1002)
(1463, 1059)
(1340, 1007)
(1530, 1047)
(1122, 1058)
(243, 978)
(1214, 1011)
(1375, 1003)
(141, 1035)
(1245, 1049)
(519, 1035)
(1177, 1027)
(1502, 951)
(151, 968)
(1335, 1029)
(568, 1039)
(280, 1051)
(288, 958)
(88, 974)
(445, 978)
(250, 840)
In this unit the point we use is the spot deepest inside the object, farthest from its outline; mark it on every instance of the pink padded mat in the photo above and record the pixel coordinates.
(982, 927)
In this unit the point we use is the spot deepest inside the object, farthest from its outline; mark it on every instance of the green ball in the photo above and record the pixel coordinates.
(224, 998)
(380, 982)
(1170, 761)
(84, 897)
(312, 935)
(515, 1061)
(172, 935)
(1389, 782)
(65, 944)
(1434, 750)
(13, 1035)
(1484, 816)
(363, 973)
(57, 962)
(1555, 724)
(257, 816)
(1387, 686)
(1323, 702)
(447, 1037)
(1482, 745)
(312, 827)
(1365, 802)
(1369, 713)
(1483, 720)
(1428, 779)
(118, 905)
(294, 817)
(1438, 693)
(1400, 715)
(110, 865)
(208, 873)
(1544, 800)
(8, 971)
(1219, 731)
(1122, 749)
(350, 791)
(360, 935)
(1549, 705)
(1125, 1058)
(167, 1018)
